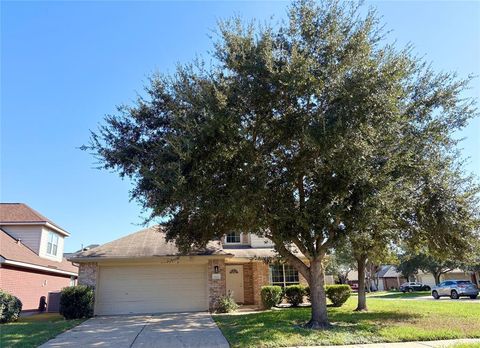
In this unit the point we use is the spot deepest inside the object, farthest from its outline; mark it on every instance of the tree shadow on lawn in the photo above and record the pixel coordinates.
(284, 327)
(294, 318)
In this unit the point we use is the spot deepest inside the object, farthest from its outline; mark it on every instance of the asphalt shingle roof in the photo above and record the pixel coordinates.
(13, 250)
(22, 213)
(149, 242)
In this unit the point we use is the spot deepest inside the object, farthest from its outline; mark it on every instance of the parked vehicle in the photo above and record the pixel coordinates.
(455, 289)
(414, 286)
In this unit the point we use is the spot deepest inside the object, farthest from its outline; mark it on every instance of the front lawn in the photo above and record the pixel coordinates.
(34, 330)
(386, 321)
(398, 294)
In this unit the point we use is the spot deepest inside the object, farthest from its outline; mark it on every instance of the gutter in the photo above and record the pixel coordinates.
(153, 257)
(40, 268)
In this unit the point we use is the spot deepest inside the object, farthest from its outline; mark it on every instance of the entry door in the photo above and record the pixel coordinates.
(234, 282)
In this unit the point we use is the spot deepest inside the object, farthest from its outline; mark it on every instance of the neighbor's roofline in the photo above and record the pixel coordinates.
(35, 223)
(142, 258)
(36, 267)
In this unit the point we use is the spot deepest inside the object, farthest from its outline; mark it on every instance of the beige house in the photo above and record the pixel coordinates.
(142, 273)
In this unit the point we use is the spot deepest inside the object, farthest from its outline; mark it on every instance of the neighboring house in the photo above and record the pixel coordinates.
(456, 274)
(389, 278)
(88, 247)
(31, 255)
(142, 273)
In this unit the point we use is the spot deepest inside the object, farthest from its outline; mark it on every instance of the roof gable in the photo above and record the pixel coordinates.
(12, 249)
(20, 213)
(149, 242)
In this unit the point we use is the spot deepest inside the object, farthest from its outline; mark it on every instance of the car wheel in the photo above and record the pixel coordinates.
(473, 297)
(435, 295)
(454, 295)
(410, 290)
(427, 288)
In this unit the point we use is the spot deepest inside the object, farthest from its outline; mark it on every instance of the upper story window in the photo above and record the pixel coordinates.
(233, 238)
(283, 275)
(52, 243)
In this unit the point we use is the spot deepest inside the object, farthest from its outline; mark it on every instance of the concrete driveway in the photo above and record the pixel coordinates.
(161, 330)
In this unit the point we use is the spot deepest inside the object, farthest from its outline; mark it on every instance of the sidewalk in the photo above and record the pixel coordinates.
(418, 344)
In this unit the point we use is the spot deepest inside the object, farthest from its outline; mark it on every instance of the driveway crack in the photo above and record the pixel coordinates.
(138, 334)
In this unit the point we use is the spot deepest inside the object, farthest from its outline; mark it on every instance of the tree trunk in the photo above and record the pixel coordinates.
(319, 319)
(362, 296)
(436, 275)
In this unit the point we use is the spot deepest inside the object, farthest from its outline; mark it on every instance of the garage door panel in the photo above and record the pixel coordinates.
(151, 289)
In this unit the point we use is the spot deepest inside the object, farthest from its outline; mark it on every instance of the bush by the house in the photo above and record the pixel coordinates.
(271, 295)
(77, 302)
(10, 307)
(226, 304)
(294, 294)
(338, 294)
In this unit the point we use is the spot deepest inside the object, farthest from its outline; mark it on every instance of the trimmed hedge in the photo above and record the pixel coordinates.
(294, 294)
(271, 295)
(338, 294)
(226, 304)
(77, 302)
(10, 307)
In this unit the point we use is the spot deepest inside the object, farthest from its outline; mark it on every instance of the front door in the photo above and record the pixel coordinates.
(234, 282)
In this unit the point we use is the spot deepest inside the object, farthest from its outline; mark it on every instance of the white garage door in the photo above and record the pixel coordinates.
(151, 289)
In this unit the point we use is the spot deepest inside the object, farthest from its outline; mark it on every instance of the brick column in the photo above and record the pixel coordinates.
(87, 274)
(216, 287)
(260, 278)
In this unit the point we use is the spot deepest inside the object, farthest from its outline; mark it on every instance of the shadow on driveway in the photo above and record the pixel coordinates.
(161, 330)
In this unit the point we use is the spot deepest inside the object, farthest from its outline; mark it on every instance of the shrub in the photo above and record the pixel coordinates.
(294, 294)
(10, 307)
(77, 302)
(338, 294)
(271, 295)
(226, 304)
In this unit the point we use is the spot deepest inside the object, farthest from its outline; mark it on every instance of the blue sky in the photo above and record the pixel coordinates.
(64, 65)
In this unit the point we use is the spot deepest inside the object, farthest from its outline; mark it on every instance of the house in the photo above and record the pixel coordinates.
(88, 247)
(456, 274)
(143, 273)
(31, 255)
(389, 278)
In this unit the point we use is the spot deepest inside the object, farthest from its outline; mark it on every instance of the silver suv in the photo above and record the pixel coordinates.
(455, 289)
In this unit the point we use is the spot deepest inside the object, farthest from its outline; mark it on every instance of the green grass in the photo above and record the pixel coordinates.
(398, 294)
(386, 321)
(34, 330)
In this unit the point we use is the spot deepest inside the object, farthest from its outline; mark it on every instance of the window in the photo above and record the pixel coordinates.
(233, 237)
(283, 275)
(52, 244)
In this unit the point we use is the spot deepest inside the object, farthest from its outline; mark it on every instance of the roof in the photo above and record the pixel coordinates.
(12, 250)
(392, 272)
(383, 270)
(149, 242)
(20, 213)
(88, 247)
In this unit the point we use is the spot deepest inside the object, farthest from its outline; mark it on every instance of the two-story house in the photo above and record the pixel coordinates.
(31, 255)
(142, 273)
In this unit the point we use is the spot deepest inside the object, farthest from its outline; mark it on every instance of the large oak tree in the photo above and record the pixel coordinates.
(289, 131)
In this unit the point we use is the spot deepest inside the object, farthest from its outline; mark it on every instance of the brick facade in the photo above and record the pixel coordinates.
(216, 287)
(260, 278)
(248, 284)
(29, 286)
(87, 274)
